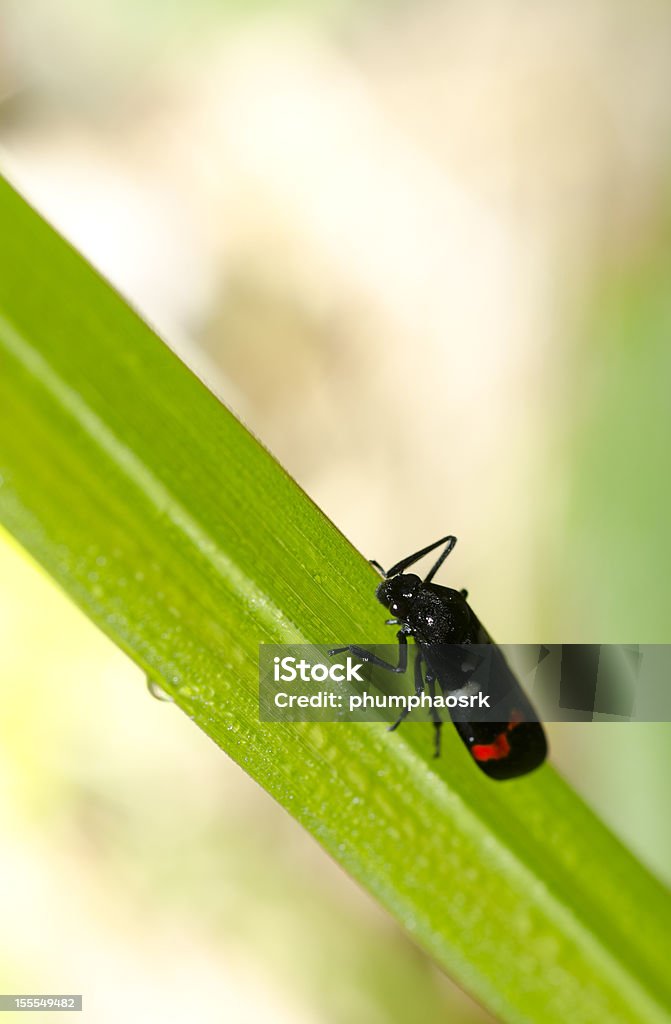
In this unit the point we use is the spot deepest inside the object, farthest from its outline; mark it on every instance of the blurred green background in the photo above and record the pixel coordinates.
(423, 250)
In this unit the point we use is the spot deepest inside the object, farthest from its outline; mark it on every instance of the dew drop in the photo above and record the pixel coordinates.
(230, 722)
(157, 691)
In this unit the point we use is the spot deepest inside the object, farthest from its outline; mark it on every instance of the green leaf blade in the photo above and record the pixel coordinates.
(181, 537)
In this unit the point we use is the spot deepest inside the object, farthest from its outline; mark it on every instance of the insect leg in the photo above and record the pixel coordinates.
(419, 686)
(404, 714)
(419, 678)
(372, 659)
(437, 722)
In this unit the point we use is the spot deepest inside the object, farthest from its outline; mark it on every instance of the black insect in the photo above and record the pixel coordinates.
(443, 626)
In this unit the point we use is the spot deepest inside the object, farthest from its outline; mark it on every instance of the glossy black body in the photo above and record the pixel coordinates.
(438, 618)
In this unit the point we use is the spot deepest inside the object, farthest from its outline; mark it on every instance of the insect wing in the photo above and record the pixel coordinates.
(511, 741)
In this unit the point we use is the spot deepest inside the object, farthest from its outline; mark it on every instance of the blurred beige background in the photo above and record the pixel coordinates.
(423, 251)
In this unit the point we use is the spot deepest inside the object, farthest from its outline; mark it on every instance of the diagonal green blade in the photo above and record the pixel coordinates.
(181, 537)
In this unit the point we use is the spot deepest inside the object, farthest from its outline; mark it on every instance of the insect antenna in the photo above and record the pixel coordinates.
(451, 541)
(405, 563)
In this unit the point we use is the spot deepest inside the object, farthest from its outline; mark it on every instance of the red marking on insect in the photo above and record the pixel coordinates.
(492, 751)
(500, 747)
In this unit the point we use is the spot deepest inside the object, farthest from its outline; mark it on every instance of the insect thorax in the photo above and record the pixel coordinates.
(443, 618)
